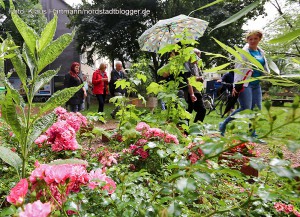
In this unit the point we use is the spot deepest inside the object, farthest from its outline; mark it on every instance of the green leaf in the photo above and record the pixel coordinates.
(69, 161)
(206, 6)
(279, 162)
(154, 88)
(59, 98)
(174, 209)
(212, 148)
(250, 58)
(10, 157)
(296, 61)
(274, 67)
(216, 69)
(193, 82)
(230, 50)
(202, 176)
(238, 15)
(2, 4)
(142, 77)
(53, 50)
(47, 34)
(283, 172)
(28, 34)
(43, 79)
(29, 59)
(257, 163)
(290, 36)
(19, 66)
(185, 184)
(161, 153)
(18, 99)
(39, 126)
(9, 211)
(9, 114)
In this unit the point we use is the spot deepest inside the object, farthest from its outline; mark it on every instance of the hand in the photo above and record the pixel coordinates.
(234, 92)
(193, 98)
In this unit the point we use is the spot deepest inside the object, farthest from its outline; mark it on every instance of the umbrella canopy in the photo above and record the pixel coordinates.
(166, 32)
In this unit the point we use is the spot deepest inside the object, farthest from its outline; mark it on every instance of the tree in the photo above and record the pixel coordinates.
(112, 35)
(30, 11)
(288, 20)
(116, 36)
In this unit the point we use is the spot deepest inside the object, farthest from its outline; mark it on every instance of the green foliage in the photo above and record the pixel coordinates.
(38, 51)
(286, 38)
(11, 158)
(238, 15)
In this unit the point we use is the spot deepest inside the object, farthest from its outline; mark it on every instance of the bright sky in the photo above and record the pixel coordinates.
(258, 23)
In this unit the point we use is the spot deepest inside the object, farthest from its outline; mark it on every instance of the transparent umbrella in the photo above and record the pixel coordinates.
(166, 32)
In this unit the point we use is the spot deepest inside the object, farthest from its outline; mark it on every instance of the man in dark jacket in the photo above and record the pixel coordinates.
(116, 74)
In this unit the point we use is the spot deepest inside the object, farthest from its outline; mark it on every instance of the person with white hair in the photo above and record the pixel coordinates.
(116, 74)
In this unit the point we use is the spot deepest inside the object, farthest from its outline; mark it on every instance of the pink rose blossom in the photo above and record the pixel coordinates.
(141, 142)
(142, 126)
(193, 157)
(36, 209)
(97, 176)
(296, 213)
(132, 147)
(18, 193)
(60, 111)
(169, 138)
(281, 207)
(140, 151)
(41, 139)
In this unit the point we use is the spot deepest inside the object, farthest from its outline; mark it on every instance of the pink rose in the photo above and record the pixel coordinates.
(18, 193)
(36, 209)
(142, 126)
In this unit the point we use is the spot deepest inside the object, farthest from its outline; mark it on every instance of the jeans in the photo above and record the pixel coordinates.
(248, 99)
(101, 101)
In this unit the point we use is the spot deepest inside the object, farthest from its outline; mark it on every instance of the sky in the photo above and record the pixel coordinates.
(258, 23)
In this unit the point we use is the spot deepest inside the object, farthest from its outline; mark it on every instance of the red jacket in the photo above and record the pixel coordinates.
(99, 85)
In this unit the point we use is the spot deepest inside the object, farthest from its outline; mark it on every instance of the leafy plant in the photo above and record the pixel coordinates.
(37, 52)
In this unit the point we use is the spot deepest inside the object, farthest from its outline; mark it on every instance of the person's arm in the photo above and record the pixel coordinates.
(96, 80)
(191, 92)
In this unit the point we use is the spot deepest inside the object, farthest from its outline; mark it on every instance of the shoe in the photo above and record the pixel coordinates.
(221, 128)
(261, 141)
(113, 116)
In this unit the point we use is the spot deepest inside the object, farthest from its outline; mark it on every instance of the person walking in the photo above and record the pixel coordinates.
(194, 99)
(100, 82)
(249, 93)
(116, 74)
(72, 79)
(87, 100)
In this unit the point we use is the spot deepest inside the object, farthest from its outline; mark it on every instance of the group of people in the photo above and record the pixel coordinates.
(249, 93)
(99, 86)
